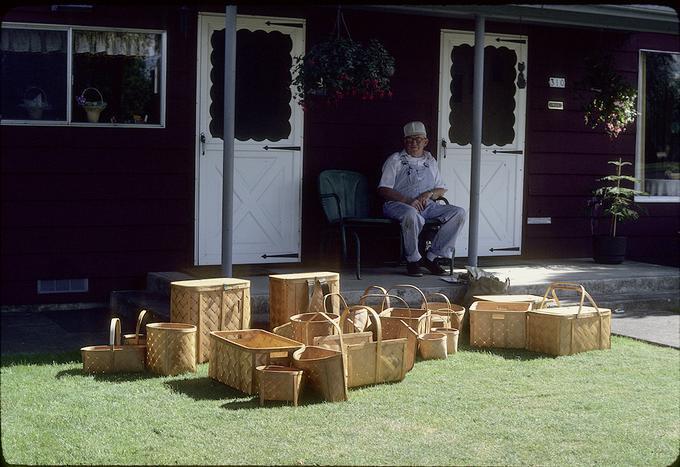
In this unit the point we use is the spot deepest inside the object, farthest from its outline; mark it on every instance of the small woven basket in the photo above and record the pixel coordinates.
(455, 313)
(307, 326)
(279, 383)
(432, 346)
(451, 339)
(171, 348)
(113, 358)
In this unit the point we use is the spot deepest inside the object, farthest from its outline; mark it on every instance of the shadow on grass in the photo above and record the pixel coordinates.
(508, 354)
(42, 358)
(203, 389)
(254, 402)
(107, 377)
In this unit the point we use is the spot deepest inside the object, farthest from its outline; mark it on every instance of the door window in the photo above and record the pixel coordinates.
(498, 127)
(263, 78)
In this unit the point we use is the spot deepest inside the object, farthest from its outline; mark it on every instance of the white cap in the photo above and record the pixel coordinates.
(414, 129)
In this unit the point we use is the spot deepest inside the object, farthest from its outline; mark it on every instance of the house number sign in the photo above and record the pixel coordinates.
(556, 82)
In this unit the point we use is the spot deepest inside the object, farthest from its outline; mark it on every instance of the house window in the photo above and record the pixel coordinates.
(84, 76)
(658, 152)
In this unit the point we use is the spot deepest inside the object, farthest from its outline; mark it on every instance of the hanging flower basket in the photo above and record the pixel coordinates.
(341, 68)
(35, 102)
(613, 105)
(93, 108)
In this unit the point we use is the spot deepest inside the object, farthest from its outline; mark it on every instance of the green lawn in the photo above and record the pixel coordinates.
(615, 407)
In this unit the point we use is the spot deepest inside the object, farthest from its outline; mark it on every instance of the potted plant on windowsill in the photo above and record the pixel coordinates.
(618, 202)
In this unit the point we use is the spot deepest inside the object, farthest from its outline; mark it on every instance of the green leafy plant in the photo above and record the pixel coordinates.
(614, 104)
(341, 68)
(614, 199)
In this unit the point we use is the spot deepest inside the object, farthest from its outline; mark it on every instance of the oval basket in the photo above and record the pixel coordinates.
(170, 348)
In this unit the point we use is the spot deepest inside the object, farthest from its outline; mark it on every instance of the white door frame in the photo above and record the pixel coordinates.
(490, 154)
(247, 148)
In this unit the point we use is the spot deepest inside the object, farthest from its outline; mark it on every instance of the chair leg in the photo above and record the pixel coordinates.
(357, 243)
(453, 256)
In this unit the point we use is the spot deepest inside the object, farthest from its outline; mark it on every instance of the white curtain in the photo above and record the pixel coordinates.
(32, 40)
(131, 44)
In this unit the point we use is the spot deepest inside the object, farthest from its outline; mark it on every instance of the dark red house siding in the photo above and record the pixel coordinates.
(111, 204)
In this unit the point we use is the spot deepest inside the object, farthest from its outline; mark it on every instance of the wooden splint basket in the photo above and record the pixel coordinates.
(293, 294)
(279, 383)
(454, 313)
(113, 358)
(498, 324)
(566, 330)
(234, 356)
(221, 304)
(171, 348)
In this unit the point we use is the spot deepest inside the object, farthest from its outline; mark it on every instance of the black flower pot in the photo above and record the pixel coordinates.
(609, 250)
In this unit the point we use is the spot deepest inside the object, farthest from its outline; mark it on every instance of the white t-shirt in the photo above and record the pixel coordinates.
(396, 168)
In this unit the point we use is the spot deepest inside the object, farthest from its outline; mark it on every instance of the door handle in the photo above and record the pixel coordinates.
(500, 151)
(444, 146)
(202, 139)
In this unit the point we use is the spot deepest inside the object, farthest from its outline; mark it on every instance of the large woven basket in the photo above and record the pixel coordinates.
(221, 304)
(292, 294)
(113, 358)
(498, 324)
(391, 317)
(171, 348)
(566, 330)
(324, 372)
(279, 383)
(234, 356)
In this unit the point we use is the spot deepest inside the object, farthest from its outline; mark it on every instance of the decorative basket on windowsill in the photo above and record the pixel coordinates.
(35, 102)
(92, 108)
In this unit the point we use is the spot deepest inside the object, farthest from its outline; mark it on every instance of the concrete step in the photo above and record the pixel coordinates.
(160, 281)
(639, 286)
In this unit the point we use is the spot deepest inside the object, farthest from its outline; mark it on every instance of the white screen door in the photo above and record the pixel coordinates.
(268, 144)
(502, 162)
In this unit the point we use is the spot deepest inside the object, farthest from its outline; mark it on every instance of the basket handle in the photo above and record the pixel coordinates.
(35, 87)
(101, 98)
(382, 290)
(343, 354)
(378, 327)
(385, 297)
(325, 298)
(554, 286)
(428, 319)
(448, 302)
(140, 318)
(114, 333)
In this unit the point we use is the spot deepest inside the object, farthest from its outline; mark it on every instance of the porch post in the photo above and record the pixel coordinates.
(475, 169)
(228, 155)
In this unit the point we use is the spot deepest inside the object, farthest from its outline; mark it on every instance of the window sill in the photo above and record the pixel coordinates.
(79, 124)
(657, 199)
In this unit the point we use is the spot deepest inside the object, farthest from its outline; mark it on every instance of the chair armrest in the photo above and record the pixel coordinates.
(442, 199)
(325, 196)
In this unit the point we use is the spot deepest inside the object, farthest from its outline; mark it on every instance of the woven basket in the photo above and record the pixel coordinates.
(279, 383)
(113, 358)
(391, 317)
(498, 324)
(292, 294)
(566, 330)
(137, 338)
(451, 339)
(324, 372)
(455, 313)
(535, 300)
(285, 330)
(432, 346)
(234, 355)
(307, 326)
(221, 304)
(171, 348)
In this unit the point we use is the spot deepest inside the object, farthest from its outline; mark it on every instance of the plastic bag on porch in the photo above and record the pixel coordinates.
(480, 282)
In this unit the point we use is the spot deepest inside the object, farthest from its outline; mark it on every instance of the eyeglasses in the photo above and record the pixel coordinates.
(415, 139)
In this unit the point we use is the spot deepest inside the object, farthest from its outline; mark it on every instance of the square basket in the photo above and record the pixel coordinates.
(235, 355)
(498, 324)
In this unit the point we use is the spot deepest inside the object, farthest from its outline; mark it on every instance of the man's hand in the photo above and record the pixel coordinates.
(421, 201)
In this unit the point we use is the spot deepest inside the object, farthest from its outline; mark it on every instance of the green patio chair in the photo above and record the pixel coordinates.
(346, 201)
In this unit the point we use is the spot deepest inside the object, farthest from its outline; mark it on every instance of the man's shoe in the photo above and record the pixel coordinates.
(433, 267)
(413, 269)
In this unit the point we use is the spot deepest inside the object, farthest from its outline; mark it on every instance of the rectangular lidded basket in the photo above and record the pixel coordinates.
(211, 305)
(234, 356)
(499, 324)
(564, 331)
(289, 294)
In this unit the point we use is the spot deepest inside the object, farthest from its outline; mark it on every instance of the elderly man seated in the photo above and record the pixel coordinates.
(410, 183)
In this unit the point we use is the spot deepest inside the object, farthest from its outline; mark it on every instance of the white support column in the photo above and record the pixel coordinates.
(228, 135)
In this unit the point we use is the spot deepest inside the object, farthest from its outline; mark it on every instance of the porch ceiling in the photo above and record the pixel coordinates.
(647, 18)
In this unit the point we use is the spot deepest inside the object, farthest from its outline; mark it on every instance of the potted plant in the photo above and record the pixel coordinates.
(93, 108)
(618, 202)
(341, 68)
